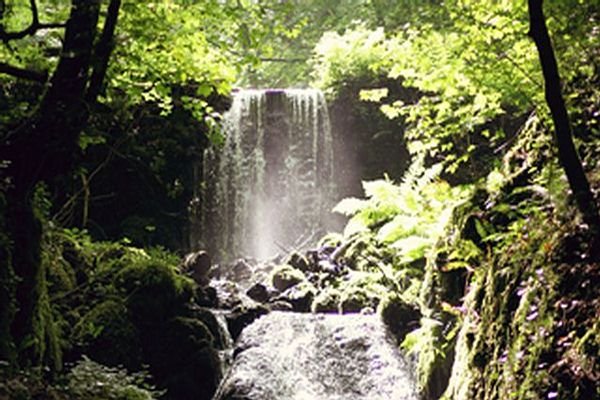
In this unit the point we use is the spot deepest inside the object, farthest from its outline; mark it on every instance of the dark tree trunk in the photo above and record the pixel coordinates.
(567, 153)
(42, 148)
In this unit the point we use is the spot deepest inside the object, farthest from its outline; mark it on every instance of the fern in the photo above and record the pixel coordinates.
(408, 218)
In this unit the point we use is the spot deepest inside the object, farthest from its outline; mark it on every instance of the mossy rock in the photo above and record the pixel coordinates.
(327, 301)
(107, 326)
(300, 296)
(154, 290)
(208, 318)
(356, 299)
(285, 276)
(299, 262)
(400, 316)
(182, 359)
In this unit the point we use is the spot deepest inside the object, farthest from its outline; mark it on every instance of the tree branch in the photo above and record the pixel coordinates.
(102, 52)
(22, 73)
(33, 27)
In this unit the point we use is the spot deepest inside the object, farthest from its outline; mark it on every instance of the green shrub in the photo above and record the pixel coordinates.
(93, 381)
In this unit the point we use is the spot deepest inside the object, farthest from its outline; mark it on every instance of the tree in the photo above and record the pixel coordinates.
(567, 153)
(39, 149)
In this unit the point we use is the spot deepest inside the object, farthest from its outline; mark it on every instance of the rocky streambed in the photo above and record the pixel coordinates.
(299, 330)
(294, 356)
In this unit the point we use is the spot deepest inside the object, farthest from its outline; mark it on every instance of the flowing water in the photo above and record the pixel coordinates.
(292, 356)
(269, 188)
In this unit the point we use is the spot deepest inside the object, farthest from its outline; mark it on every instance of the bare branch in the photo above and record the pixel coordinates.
(22, 73)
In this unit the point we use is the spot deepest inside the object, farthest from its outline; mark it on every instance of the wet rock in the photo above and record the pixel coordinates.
(259, 292)
(355, 300)
(206, 296)
(280, 305)
(284, 356)
(197, 265)
(327, 301)
(399, 316)
(240, 271)
(329, 267)
(229, 294)
(300, 296)
(210, 320)
(299, 262)
(242, 316)
(284, 277)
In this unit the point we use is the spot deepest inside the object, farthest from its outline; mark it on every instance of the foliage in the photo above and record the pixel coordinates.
(161, 45)
(408, 218)
(90, 380)
(473, 65)
(135, 302)
(354, 54)
(7, 283)
(86, 380)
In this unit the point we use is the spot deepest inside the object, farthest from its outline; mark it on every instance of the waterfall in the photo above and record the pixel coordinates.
(269, 188)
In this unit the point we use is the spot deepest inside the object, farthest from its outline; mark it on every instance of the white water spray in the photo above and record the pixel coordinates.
(270, 187)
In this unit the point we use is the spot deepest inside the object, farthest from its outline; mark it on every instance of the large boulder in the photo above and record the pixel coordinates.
(285, 356)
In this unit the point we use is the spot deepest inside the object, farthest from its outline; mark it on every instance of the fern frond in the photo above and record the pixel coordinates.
(350, 206)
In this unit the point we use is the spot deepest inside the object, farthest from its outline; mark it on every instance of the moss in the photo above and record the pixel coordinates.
(154, 290)
(285, 276)
(521, 337)
(327, 301)
(183, 360)
(7, 290)
(107, 326)
(300, 296)
(400, 316)
(356, 299)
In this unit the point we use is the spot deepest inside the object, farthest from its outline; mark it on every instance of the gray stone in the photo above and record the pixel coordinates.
(301, 356)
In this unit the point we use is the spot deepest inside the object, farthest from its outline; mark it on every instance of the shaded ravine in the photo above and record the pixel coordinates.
(297, 356)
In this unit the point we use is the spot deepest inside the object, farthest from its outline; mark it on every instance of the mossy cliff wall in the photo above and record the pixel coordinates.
(528, 325)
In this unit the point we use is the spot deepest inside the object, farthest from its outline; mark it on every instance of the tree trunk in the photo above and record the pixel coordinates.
(42, 148)
(567, 153)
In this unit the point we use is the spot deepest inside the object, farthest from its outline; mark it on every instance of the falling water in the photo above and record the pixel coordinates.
(269, 188)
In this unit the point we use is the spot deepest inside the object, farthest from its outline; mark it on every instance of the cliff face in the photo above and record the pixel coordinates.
(530, 323)
(527, 326)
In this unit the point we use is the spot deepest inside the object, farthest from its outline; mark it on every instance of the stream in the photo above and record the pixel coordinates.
(269, 189)
(302, 356)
